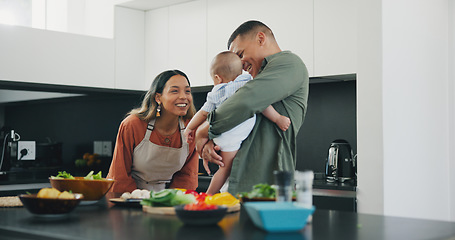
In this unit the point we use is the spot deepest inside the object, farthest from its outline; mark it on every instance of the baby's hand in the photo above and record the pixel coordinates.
(189, 135)
(283, 122)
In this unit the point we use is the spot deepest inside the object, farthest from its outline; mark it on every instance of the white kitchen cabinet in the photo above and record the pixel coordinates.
(42, 56)
(156, 43)
(188, 40)
(335, 37)
(130, 49)
(290, 20)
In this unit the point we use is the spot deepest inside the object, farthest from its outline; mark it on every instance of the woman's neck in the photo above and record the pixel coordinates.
(167, 125)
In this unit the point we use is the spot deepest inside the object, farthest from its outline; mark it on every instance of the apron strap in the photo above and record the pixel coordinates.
(150, 127)
(181, 124)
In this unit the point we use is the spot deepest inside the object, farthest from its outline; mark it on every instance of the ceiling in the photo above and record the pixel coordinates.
(148, 4)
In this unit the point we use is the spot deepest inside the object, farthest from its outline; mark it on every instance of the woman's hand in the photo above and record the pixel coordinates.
(207, 149)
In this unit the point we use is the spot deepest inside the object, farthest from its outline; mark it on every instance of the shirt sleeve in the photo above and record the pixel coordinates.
(120, 169)
(209, 104)
(275, 82)
(187, 177)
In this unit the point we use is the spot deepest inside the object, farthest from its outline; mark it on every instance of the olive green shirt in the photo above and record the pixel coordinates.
(282, 82)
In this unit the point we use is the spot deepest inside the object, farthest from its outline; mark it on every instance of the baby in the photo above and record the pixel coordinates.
(226, 72)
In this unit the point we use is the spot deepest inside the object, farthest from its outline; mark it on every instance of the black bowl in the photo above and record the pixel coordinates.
(49, 206)
(201, 217)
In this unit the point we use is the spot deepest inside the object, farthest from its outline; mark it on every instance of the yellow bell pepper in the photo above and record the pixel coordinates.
(224, 199)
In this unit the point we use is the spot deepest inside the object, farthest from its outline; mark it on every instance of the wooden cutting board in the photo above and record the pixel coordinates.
(10, 202)
(171, 210)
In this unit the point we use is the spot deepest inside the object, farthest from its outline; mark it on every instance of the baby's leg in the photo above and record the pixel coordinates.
(220, 177)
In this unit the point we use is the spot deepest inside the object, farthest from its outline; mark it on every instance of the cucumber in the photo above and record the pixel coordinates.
(163, 195)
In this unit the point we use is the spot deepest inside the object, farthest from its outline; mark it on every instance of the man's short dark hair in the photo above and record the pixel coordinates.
(251, 26)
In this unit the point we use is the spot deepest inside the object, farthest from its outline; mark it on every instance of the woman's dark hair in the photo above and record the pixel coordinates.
(147, 111)
(249, 27)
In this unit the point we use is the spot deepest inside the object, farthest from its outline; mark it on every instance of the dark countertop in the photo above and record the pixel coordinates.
(104, 220)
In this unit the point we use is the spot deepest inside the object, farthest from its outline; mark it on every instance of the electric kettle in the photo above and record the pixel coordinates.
(340, 164)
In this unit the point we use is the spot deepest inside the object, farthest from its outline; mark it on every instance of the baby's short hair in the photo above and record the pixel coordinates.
(227, 65)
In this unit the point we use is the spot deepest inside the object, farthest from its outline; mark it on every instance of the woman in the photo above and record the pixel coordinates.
(150, 151)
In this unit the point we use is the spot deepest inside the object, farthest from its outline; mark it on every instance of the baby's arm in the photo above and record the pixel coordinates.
(281, 121)
(197, 120)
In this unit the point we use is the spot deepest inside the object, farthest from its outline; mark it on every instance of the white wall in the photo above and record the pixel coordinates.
(413, 95)
(452, 104)
(370, 152)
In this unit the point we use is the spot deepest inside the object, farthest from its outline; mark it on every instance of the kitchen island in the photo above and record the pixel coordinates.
(104, 220)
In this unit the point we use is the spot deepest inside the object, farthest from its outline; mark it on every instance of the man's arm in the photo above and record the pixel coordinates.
(276, 82)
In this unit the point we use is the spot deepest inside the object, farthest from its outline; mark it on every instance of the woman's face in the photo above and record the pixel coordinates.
(176, 98)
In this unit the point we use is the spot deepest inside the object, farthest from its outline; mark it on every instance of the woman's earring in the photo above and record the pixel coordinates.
(158, 110)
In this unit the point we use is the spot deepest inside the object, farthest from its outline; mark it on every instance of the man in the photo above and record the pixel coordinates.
(280, 78)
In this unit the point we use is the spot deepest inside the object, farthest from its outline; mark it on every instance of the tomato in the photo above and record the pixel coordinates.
(199, 206)
(201, 196)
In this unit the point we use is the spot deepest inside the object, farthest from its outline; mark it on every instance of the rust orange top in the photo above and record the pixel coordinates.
(131, 133)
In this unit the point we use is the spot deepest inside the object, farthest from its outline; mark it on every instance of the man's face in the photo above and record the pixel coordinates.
(249, 50)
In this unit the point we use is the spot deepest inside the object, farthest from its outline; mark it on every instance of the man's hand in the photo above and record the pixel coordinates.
(207, 149)
(210, 154)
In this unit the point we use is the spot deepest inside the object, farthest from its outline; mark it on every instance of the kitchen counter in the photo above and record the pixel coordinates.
(104, 220)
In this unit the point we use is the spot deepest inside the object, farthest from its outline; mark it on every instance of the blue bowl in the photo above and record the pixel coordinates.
(278, 216)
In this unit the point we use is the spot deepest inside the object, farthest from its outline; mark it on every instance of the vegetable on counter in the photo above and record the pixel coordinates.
(259, 191)
(201, 201)
(54, 193)
(200, 206)
(63, 175)
(90, 176)
(222, 199)
(168, 198)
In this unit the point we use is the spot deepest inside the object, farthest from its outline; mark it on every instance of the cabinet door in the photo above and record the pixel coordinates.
(335, 37)
(156, 43)
(188, 40)
(42, 56)
(129, 49)
(290, 20)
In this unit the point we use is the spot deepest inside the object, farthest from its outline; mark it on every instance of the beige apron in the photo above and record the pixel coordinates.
(154, 165)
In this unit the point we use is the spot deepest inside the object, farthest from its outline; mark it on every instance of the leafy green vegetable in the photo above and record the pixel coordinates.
(63, 175)
(168, 198)
(259, 190)
(90, 176)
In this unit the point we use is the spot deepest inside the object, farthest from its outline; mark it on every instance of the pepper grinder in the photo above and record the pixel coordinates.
(283, 181)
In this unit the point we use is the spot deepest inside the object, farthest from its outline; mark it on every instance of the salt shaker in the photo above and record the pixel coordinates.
(283, 181)
(304, 188)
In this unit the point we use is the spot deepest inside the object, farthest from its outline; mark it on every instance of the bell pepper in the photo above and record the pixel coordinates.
(223, 199)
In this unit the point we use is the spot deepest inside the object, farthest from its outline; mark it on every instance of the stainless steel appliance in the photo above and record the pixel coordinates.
(340, 164)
